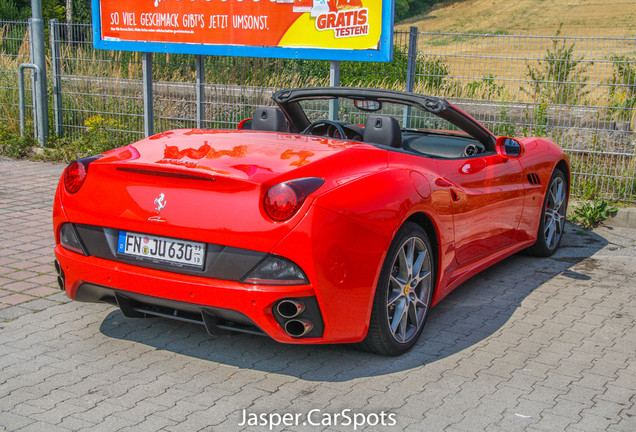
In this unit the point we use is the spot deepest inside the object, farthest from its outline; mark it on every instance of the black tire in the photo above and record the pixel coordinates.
(391, 334)
(552, 223)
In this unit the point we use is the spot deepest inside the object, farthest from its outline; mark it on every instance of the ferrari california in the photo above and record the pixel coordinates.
(335, 215)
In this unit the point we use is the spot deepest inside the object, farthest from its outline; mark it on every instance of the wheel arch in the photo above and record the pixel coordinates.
(376, 338)
(565, 169)
(424, 221)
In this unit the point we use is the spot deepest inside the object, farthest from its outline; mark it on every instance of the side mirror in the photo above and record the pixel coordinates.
(509, 148)
(245, 124)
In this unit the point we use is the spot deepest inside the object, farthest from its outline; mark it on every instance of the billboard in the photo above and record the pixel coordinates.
(309, 29)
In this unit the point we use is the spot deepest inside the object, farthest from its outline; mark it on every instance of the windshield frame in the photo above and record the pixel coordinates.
(289, 102)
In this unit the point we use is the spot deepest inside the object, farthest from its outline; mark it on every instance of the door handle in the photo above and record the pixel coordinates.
(454, 195)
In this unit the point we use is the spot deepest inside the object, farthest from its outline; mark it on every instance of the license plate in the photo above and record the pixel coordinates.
(161, 250)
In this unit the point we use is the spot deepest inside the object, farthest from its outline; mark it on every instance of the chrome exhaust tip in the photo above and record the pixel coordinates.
(290, 308)
(60, 275)
(298, 327)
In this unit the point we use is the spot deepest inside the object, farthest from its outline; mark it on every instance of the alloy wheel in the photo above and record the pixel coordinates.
(410, 285)
(554, 214)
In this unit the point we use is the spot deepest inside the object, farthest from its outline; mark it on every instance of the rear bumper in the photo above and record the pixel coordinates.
(340, 257)
(217, 321)
(220, 305)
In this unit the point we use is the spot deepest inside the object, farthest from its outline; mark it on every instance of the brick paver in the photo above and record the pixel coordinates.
(530, 344)
(26, 263)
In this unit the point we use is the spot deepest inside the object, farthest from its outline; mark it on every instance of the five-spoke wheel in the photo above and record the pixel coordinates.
(410, 285)
(554, 214)
(404, 292)
(552, 223)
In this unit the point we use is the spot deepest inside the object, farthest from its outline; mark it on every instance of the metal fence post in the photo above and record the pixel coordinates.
(21, 102)
(146, 66)
(334, 81)
(412, 59)
(200, 91)
(39, 58)
(410, 73)
(34, 101)
(57, 78)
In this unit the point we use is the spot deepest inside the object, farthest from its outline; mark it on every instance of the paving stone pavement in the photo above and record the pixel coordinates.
(530, 344)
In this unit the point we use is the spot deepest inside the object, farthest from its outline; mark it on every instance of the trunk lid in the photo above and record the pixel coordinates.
(209, 185)
(241, 155)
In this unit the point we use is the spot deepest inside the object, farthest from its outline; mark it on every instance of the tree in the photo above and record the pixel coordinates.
(78, 11)
(408, 8)
(82, 11)
(402, 9)
(63, 10)
(11, 10)
(69, 11)
(52, 9)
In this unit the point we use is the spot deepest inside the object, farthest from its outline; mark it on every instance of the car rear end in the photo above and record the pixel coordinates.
(201, 227)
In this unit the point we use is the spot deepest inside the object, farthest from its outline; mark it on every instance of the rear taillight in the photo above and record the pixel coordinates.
(283, 200)
(75, 173)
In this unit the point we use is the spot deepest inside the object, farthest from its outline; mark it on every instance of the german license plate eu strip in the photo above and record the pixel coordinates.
(162, 250)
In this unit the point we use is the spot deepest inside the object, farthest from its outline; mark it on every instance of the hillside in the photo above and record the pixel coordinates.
(540, 17)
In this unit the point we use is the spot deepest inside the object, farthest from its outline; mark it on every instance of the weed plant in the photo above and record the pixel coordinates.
(591, 214)
(559, 78)
(622, 93)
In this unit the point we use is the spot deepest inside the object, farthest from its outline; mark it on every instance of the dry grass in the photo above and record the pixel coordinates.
(9, 108)
(536, 17)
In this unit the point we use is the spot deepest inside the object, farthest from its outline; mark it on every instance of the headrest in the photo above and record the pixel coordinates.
(382, 129)
(269, 119)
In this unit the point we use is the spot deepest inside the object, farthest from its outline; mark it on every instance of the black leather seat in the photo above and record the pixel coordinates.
(383, 129)
(269, 119)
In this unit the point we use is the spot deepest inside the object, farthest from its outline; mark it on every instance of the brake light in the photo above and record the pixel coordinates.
(283, 200)
(75, 173)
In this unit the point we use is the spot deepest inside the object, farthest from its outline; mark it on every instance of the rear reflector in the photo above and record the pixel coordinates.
(70, 240)
(275, 270)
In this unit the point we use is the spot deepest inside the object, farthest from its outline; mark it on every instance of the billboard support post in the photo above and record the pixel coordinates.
(146, 66)
(334, 30)
(334, 81)
(200, 91)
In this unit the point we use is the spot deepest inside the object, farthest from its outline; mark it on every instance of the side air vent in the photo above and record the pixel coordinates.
(533, 178)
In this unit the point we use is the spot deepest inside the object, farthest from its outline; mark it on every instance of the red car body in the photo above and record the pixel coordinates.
(209, 186)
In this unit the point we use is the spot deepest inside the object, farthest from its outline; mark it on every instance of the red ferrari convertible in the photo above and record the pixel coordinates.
(339, 215)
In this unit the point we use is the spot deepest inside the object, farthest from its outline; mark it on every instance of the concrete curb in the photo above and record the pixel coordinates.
(624, 218)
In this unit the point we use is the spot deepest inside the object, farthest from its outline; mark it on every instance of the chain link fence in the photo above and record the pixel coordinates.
(580, 92)
(14, 50)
